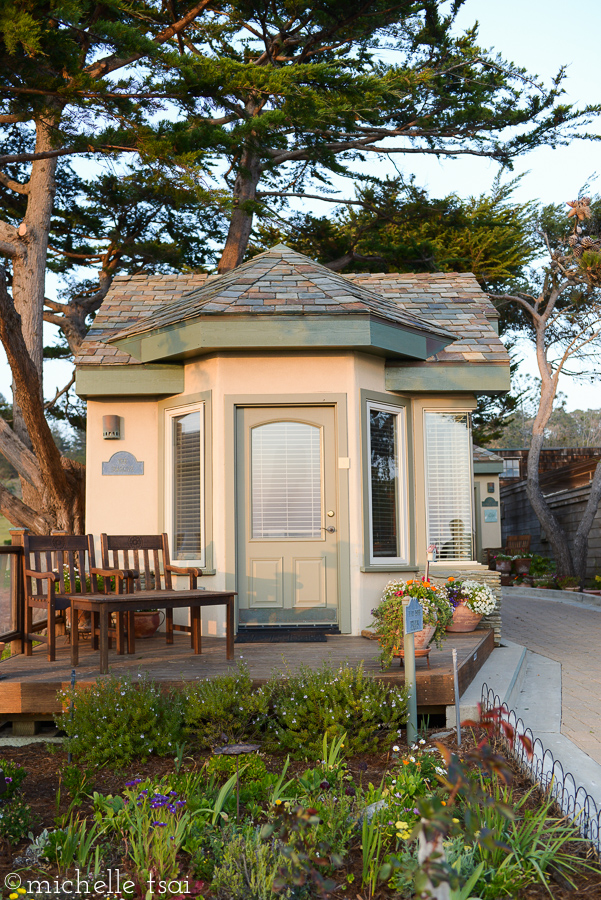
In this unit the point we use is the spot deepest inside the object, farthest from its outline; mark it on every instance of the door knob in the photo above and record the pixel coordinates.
(331, 513)
(330, 529)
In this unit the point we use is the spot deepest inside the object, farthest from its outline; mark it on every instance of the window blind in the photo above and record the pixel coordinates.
(187, 486)
(384, 475)
(449, 484)
(286, 480)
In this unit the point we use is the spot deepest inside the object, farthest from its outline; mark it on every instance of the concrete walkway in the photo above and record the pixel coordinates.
(568, 632)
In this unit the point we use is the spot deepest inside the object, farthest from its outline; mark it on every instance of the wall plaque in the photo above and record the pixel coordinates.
(490, 501)
(491, 515)
(123, 463)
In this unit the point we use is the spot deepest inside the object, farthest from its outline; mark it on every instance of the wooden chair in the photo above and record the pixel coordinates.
(146, 558)
(56, 566)
(517, 543)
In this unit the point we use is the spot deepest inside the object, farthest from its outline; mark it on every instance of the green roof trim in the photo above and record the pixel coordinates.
(207, 334)
(472, 377)
(488, 468)
(129, 381)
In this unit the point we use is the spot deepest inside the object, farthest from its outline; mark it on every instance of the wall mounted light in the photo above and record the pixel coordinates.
(111, 428)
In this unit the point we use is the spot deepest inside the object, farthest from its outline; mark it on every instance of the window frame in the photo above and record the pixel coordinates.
(403, 496)
(452, 411)
(511, 459)
(172, 413)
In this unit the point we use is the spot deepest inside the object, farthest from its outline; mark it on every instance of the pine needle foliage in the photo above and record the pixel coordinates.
(331, 701)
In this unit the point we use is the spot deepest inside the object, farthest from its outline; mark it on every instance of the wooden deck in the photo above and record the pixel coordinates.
(29, 685)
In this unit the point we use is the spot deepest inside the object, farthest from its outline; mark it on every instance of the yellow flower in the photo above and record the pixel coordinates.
(13, 896)
(278, 802)
(455, 820)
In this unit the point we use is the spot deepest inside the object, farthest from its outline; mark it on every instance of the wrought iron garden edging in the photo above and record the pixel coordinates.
(543, 769)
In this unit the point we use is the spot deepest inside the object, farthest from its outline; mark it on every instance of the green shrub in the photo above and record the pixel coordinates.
(117, 721)
(224, 709)
(248, 870)
(334, 701)
(16, 817)
(223, 767)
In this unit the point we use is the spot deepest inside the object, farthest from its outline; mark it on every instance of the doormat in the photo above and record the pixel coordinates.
(280, 636)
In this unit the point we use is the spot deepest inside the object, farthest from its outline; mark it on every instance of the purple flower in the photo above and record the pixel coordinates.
(8, 780)
(133, 783)
(160, 824)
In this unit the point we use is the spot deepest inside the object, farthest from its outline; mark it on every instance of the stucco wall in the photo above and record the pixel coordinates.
(135, 504)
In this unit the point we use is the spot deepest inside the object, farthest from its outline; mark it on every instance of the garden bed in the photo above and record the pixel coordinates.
(332, 803)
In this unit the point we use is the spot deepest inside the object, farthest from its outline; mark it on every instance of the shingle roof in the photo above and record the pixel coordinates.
(280, 282)
(441, 303)
(482, 455)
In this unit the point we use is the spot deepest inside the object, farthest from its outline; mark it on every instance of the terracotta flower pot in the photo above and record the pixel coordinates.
(422, 639)
(522, 566)
(146, 623)
(504, 566)
(464, 619)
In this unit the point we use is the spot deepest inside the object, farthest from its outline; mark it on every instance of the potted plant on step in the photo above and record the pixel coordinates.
(569, 583)
(470, 601)
(388, 616)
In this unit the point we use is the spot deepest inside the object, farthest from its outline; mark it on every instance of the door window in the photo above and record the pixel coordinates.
(286, 481)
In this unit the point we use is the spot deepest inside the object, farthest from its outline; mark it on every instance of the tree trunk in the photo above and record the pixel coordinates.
(29, 270)
(585, 525)
(55, 485)
(245, 192)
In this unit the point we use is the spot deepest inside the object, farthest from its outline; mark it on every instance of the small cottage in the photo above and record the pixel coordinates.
(301, 436)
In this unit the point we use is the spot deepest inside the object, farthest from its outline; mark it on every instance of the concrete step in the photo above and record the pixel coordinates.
(503, 671)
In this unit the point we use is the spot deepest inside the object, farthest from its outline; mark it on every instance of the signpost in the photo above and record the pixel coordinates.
(413, 619)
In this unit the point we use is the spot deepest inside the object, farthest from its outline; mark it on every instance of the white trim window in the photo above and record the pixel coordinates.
(449, 490)
(387, 484)
(185, 482)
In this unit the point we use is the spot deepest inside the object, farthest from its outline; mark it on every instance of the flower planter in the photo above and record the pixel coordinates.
(522, 566)
(504, 566)
(146, 623)
(464, 619)
(422, 639)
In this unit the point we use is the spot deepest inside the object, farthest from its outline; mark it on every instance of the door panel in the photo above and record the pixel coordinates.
(286, 481)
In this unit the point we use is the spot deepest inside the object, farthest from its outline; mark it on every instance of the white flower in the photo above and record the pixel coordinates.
(412, 758)
(422, 741)
(396, 748)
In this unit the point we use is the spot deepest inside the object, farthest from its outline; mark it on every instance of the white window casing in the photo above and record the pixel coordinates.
(449, 484)
(387, 484)
(184, 482)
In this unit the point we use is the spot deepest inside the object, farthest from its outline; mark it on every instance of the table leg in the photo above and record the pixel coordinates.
(120, 635)
(195, 624)
(104, 640)
(131, 637)
(229, 629)
(74, 638)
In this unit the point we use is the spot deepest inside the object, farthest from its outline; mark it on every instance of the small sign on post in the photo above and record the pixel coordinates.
(413, 620)
(413, 616)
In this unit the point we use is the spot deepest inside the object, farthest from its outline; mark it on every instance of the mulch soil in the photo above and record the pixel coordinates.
(44, 764)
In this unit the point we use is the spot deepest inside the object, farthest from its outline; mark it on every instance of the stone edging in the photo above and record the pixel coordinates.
(574, 597)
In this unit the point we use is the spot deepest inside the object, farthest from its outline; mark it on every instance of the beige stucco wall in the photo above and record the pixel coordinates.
(135, 504)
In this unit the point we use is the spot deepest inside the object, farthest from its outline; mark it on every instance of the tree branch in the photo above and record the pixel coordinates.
(22, 516)
(111, 63)
(14, 450)
(59, 393)
(13, 185)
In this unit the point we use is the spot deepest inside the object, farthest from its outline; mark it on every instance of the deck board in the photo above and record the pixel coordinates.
(29, 684)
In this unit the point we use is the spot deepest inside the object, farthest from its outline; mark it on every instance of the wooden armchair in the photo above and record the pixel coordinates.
(56, 566)
(517, 543)
(146, 558)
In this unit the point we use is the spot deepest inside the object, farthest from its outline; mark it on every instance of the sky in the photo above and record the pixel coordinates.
(540, 35)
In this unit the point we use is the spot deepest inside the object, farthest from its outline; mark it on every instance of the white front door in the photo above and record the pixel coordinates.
(287, 516)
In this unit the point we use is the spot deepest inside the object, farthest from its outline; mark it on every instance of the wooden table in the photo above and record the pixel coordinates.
(105, 604)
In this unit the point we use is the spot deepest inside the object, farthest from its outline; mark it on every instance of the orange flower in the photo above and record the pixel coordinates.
(405, 762)
(450, 578)
(410, 581)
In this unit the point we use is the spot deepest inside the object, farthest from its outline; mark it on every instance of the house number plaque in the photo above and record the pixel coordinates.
(123, 463)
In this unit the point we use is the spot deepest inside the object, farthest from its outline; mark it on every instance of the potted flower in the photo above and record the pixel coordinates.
(522, 563)
(503, 563)
(388, 616)
(569, 583)
(470, 601)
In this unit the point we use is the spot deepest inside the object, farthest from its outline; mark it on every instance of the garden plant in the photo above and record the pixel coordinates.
(351, 811)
